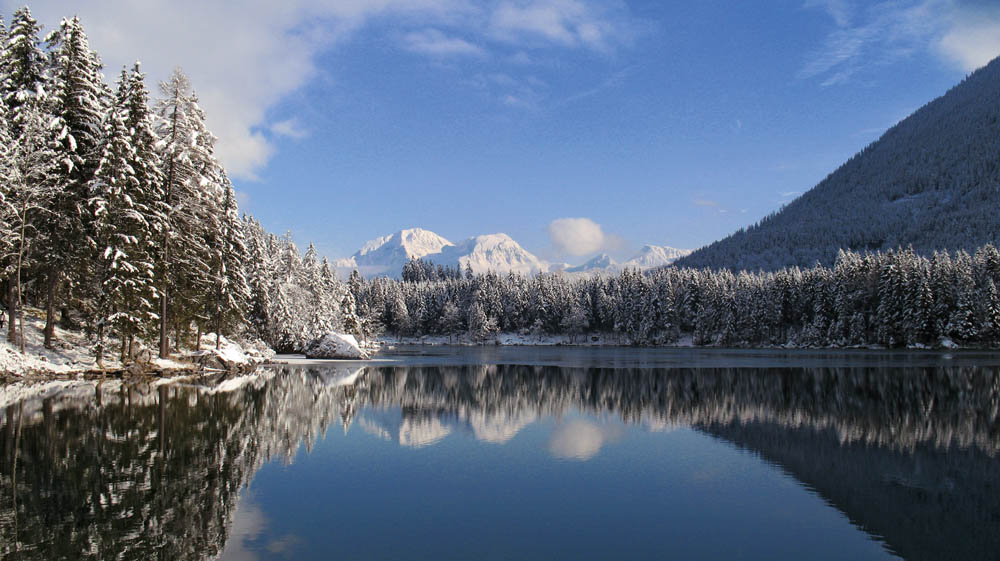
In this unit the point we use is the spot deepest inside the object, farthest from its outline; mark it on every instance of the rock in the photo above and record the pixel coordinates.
(335, 345)
(209, 359)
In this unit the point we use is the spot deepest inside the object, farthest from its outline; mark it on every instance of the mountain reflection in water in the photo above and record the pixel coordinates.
(113, 471)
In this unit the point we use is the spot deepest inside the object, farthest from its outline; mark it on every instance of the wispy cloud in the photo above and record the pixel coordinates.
(614, 81)
(871, 35)
(290, 128)
(435, 43)
(595, 25)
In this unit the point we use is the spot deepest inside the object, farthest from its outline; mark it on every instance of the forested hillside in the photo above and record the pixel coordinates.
(932, 181)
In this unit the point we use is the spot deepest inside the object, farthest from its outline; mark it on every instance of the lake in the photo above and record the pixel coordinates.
(516, 453)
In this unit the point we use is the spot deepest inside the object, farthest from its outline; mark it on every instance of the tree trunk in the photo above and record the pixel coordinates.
(99, 347)
(50, 309)
(197, 343)
(164, 341)
(20, 261)
(11, 312)
(124, 349)
(218, 329)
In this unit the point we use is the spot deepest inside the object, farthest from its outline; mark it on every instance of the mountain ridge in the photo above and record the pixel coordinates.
(386, 255)
(930, 182)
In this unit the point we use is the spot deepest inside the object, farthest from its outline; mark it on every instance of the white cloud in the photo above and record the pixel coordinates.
(966, 32)
(581, 236)
(434, 42)
(290, 128)
(567, 22)
(972, 44)
(243, 58)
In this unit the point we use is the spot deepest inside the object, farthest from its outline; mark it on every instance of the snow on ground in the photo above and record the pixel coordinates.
(73, 353)
(229, 353)
(513, 339)
(335, 345)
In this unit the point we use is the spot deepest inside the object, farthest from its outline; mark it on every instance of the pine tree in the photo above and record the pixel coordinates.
(185, 154)
(124, 269)
(23, 63)
(75, 99)
(229, 253)
(29, 196)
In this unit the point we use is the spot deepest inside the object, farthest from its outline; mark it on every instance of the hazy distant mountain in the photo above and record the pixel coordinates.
(385, 256)
(932, 181)
(602, 262)
(653, 256)
(649, 257)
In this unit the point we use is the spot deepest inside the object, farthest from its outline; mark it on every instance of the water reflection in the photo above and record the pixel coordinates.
(94, 471)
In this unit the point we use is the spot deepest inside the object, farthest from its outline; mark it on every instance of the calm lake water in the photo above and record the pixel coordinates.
(514, 453)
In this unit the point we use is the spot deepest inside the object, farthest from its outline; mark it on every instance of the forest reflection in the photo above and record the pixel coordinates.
(99, 471)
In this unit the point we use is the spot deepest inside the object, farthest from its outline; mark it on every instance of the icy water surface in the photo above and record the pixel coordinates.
(549, 453)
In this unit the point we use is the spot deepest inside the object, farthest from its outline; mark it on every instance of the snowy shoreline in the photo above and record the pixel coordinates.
(612, 340)
(72, 358)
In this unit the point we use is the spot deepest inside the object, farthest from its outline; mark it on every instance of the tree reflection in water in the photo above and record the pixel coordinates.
(115, 471)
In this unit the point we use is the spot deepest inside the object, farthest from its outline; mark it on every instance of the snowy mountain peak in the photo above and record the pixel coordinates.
(492, 252)
(415, 242)
(601, 262)
(652, 256)
(385, 256)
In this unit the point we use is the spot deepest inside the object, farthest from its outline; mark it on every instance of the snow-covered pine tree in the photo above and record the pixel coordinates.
(150, 199)
(29, 195)
(229, 253)
(23, 65)
(351, 322)
(332, 292)
(185, 151)
(8, 211)
(260, 275)
(76, 89)
(125, 291)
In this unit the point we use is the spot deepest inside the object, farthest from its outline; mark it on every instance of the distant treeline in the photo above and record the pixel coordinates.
(897, 298)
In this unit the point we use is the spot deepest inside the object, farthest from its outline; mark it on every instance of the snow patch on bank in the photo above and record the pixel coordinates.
(73, 353)
(335, 345)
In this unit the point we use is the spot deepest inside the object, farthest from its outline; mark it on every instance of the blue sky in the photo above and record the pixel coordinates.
(660, 122)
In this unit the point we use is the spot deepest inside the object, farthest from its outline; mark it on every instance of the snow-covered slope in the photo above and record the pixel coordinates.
(491, 252)
(387, 255)
(652, 256)
(649, 257)
(602, 262)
